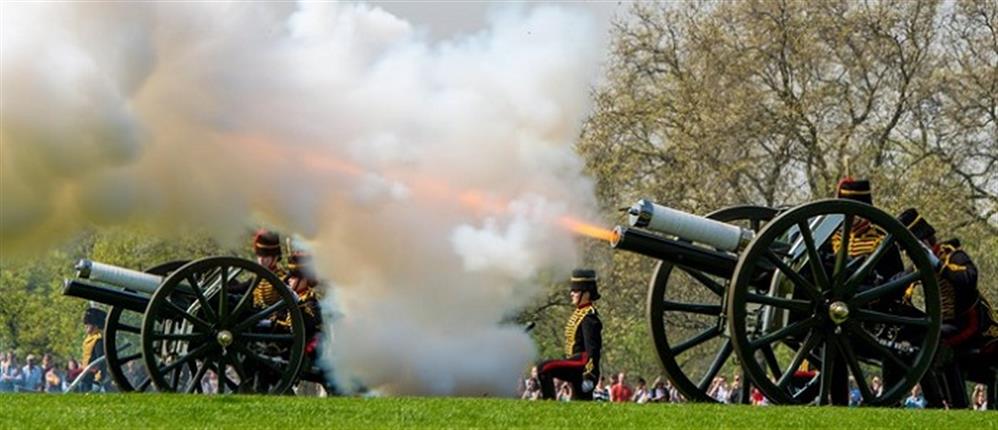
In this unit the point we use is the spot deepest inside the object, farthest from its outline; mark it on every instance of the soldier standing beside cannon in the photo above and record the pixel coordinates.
(267, 247)
(583, 343)
(93, 348)
(969, 323)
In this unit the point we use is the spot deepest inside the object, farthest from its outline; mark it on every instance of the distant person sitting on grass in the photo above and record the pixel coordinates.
(979, 400)
(915, 400)
(620, 392)
(659, 393)
(565, 393)
(532, 390)
(602, 391)
(641, 394)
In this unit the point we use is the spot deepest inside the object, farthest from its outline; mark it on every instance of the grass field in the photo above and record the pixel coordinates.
(189, 411)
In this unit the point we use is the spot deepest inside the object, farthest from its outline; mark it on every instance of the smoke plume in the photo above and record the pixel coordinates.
(430, 175)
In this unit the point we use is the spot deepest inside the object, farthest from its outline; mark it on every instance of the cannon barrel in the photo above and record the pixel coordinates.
(108, 296)
(121, 277)
(118, 276)
(655, 217)
(673, 251)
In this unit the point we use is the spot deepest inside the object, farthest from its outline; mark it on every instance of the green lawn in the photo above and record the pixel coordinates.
(192, 411)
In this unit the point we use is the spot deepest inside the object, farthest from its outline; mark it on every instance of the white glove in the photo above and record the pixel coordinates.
(587, 386)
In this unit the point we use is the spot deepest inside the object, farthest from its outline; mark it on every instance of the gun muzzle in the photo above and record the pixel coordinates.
(714, 262)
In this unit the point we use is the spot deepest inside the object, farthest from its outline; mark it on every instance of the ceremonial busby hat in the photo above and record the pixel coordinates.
(916, 224)
(266, 243)
(300, 264)
(854, 189)
(94, 316)
(585, 280)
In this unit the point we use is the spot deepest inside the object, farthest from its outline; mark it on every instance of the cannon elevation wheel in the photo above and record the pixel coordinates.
(687, 319)
(203, 332)
(121, 331)
(847, 311)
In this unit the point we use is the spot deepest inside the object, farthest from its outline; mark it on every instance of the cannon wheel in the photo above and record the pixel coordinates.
(830, 313)
(118, 332)
(660, 305)
(192, 327)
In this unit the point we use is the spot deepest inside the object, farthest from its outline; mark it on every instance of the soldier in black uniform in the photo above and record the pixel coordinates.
(968, 319)
(302, 280)
(583, 343)
(93, 349)
(969, 322)
(267, 247)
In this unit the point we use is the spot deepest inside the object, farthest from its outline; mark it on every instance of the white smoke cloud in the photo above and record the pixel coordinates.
(429, 176)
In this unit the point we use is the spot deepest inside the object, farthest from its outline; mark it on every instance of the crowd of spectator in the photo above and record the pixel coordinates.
(619, 390)
(47, 376)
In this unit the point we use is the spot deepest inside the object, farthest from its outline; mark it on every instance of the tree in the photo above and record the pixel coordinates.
(771, 102)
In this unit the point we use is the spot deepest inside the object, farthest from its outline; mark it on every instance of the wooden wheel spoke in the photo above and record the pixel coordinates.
(188, 337)
(199, 294)
(223, 297)
(704, 280)
(857, 371)
(792, 274)
(790, 304)
(195, 382)
(827, 364)
(812, 340)
(860, 333)
(275, 365)
(127, 328)
(695, 308)
(144, 384)
(128, 358)
(882, 290)
(223, 377)
(246, 299)
(770, 358)
(842, 257)
(813, 258)
(873, 316)
(868, 265)
(268, 337)
(785, 332)
(198, 352)
(198, 322)
(701, 337)
(240, 370)
(252, 319)
(715, 366)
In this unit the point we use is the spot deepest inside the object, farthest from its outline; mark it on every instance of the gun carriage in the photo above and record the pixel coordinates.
(186, 322)
(783, 296)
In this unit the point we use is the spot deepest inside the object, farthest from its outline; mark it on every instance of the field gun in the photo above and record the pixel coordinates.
(785, 297)
(186, 319)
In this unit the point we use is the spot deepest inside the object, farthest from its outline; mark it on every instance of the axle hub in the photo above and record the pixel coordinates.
(838, 312)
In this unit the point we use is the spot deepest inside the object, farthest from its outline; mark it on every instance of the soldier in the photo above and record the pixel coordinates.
(302, 280)
(583, 343)
(93, 348)
(267, 246)
(968, 319)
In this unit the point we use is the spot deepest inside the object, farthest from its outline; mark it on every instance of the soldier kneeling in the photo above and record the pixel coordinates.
(583, 343)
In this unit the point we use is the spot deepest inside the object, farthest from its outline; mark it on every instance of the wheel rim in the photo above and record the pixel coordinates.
(194, 335)
(122, 328)
(701, 312)
(830, 313)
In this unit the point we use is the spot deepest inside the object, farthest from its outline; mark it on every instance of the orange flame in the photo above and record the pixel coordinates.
(586, 229)
(423, 186)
